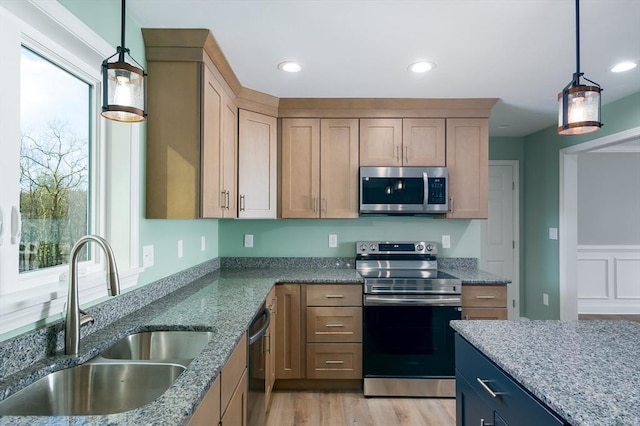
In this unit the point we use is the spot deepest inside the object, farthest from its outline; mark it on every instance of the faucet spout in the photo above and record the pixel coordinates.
(74, 313)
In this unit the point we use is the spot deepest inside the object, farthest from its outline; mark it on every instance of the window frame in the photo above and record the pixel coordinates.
(53, 32)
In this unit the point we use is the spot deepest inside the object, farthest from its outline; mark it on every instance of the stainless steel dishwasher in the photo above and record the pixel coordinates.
(256, 404)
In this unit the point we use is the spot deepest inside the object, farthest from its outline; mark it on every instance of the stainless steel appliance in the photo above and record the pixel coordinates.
(256, 399)
(404, 190)
(408, 303)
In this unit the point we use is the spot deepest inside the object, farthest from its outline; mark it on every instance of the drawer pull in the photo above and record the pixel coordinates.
(333, 362)
(485, 297)
(485, 386)
(334, 296)
(484, 423)
(334, 325)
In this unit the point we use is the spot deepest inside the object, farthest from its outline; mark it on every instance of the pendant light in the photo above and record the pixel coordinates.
(579, 104)
(123, 84)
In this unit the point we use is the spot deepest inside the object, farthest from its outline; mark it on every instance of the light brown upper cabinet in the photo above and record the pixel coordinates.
(402, 142)
(192, 132)
(257, 166)
(468, 167)
(319, 168)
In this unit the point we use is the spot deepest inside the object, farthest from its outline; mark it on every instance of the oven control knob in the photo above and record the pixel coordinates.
(372, 247)
(429, 247)
(363, 247)
(419, 247)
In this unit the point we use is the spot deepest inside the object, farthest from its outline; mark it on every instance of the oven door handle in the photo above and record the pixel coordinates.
(390, 300)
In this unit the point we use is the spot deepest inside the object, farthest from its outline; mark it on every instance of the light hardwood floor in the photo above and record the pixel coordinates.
(291, 408)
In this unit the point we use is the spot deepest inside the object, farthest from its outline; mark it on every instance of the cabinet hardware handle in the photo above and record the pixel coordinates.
(484, 423)
(406, 155)
(451, 205)
(333, 362)
(334, 325)
(242, 203)
(334, 296)
(315, 204)
(398, 157)
(481, 296)
(324, 201)
(227, 207)
(223, 199)
(485, 386)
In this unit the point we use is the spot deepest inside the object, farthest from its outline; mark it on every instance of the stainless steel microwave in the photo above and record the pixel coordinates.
(404, 190)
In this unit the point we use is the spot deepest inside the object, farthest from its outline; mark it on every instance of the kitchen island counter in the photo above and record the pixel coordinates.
(588, 372)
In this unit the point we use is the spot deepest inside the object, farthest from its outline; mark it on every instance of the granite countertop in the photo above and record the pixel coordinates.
(224, 302)
(586, 371)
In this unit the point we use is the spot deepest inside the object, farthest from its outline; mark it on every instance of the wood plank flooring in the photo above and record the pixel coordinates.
(310, 408)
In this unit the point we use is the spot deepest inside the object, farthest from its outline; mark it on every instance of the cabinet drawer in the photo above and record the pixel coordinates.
(484, 296)
(512, 401)
(484, 313)
(334, 360)
(232, 372)
(334, 295)
(334, 324)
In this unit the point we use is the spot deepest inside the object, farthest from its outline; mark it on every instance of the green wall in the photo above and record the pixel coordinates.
(309, 237)
(541, 191)
(103, 16)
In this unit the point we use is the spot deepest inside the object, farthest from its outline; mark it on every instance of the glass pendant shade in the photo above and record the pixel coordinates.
(582, 107)
(123, 85)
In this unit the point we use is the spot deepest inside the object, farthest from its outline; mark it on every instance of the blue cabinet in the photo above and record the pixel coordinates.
(487, 396)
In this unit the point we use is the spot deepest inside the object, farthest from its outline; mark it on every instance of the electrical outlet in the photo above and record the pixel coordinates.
(203, 243)
(180, 249)
(553, 233)
(446, 241)
(147, 256)
(248, 240)
(545, 299)
(333, 240)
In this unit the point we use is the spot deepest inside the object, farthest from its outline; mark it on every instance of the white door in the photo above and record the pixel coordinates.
(499, 253)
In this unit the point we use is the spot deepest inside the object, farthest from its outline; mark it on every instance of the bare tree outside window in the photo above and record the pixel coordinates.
(54, 163)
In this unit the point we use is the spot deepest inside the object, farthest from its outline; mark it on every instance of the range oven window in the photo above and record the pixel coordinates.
(409, 341)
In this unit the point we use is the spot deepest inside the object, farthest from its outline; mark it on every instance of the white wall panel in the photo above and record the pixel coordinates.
(593, 279)
(627, 278)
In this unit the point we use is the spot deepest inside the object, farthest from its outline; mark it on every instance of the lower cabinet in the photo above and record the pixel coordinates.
(485, 395)
(484, 302)
(226, 401)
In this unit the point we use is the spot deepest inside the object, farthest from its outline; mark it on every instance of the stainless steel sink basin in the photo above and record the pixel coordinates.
(91, 389)
(176, 346)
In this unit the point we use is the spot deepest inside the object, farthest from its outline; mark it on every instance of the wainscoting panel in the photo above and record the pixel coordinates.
(608, 279)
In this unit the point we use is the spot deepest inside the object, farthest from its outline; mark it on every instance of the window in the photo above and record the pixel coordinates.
(59, 177)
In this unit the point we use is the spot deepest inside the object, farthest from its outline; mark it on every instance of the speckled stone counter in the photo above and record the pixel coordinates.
(586, 371)
(223, 302)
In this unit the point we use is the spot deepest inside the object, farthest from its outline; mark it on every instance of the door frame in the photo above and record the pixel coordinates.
(568, 215)
(515, 164)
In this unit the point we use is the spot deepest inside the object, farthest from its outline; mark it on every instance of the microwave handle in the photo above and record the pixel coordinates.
(425, 178)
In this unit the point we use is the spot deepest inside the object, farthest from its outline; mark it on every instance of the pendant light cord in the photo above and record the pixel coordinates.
(122, 48)
(577, 75)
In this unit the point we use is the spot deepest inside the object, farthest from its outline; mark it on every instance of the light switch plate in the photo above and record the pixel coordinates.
(180, 249)
(203, 243)
(545, 299)
(333, 240)
(147, 256)
(446, 241)
(248, 240)
(553, 233)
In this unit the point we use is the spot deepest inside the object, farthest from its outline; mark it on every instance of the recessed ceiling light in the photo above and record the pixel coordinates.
(623, 66)
(289, 66)
(420, 67)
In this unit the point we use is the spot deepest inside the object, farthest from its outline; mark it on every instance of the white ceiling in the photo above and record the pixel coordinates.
(521, 51)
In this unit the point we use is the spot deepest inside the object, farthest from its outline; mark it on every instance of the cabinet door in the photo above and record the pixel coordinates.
(471, 410)
(229, 157)
(423, 142)
(212, 196)
(339, 168)
(257, 166)
(468, 167)
(236, 413)
(208, 412)
(289, 332)
(381, 142)
(300, 168)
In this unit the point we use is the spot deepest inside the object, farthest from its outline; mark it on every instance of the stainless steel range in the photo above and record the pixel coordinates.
(408, 303)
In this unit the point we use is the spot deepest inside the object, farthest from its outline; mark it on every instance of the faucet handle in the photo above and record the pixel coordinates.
(86, 318)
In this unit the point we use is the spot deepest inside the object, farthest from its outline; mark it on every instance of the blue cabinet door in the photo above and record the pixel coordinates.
(471, 410)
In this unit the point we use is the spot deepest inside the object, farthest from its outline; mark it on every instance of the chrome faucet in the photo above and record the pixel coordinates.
(76, 317)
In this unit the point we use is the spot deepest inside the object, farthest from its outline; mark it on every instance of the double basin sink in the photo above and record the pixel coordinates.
(133, 372)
